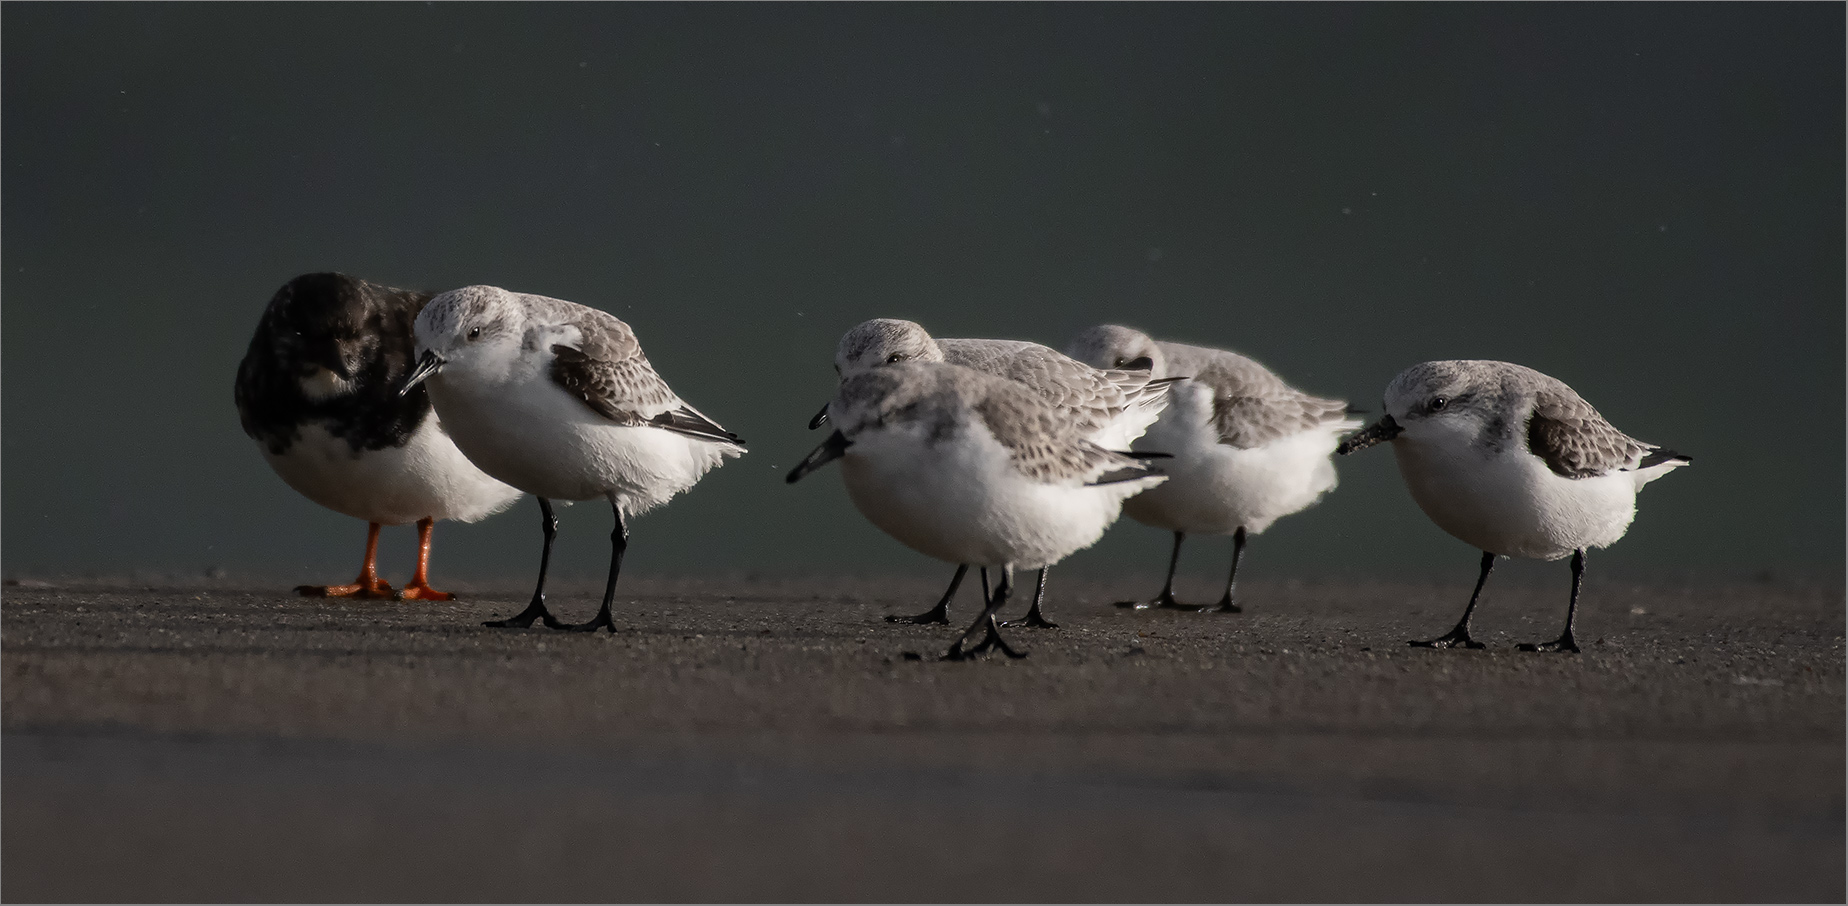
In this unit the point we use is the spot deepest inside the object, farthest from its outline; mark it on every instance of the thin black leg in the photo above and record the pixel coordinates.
(1166, 598)
(619, 542)
(941, 612)
(1035, 617)
(1004, 586)
(1238, 550)
(536, 610)
(1459, 637)
(1566, 643)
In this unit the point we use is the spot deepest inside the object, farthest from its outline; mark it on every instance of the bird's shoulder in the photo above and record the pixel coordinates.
(1576, 441)
(1251, 405)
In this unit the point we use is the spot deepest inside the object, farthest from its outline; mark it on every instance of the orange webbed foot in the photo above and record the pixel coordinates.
(418, 591)
(377, 589)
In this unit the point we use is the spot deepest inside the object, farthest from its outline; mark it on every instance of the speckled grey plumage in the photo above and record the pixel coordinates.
(1548, 417)
(603, 366)
(1251, 405)
(947, 400)
(1092, 397)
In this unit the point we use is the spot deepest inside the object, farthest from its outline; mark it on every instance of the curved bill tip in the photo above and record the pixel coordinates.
(831, 449)
(1383, 430)
(427, 364)
(821, 418)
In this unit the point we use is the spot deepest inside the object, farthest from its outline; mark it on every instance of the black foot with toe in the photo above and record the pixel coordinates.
(1033, 619)
(1163, 601)
(933, 615)
(1562, 645)
(601, 621)
(1455, 638)
(1225, 605)
(990, 641)
(525, 618)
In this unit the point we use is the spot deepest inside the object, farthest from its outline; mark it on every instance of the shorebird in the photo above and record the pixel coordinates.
(1247, 448)
(556, 399)
(318, 392)
(973, 469)
(1515, 463)
(1111, 407)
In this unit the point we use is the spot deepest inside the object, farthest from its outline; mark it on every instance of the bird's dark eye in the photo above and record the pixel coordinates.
(895, 357)
(1120, 362)
(474, 333)
(1438, 403)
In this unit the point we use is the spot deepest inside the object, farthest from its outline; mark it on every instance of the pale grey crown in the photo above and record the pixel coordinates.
(883, 341)
(1480, 390)
(1111, 346)
(454, 316)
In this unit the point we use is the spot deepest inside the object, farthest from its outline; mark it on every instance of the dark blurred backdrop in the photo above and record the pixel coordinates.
(1644, 200)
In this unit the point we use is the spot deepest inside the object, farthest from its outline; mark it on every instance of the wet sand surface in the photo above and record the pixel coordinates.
(741, 740)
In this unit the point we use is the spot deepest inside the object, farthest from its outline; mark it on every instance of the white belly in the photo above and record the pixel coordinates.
(426, 478)
(1215, 489)
(1512, 504)
(536, 438)
(961, 502)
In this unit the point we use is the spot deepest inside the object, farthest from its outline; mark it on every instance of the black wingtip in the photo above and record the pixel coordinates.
(1661, 455)
(1131, 473)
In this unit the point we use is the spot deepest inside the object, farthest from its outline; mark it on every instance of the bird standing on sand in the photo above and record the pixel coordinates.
(318, 392)
(556, 399)
(1247, 448)
(1515, 463)
(1111, 407)
(973, 469)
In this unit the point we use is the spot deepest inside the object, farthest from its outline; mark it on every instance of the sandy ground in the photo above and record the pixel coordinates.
(774, 741)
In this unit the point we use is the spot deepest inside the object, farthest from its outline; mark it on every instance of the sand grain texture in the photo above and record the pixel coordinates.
(772, 741)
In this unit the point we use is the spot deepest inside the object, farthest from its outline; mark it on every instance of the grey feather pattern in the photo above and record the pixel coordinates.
(1091, 397)
(1045, 445)
(1574, 440)
(608, 371)
(1251, 405)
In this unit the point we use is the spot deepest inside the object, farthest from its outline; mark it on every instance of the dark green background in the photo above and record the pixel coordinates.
(1643, 200)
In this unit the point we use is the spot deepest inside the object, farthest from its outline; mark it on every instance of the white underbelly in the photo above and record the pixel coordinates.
(1214, 488)
(428, 477)
(546, 443)
(944, 503)
(1514, 505)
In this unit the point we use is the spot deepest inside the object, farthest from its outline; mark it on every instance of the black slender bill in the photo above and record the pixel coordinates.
(831, 449)
(821, 418)
(428, 364)
(1383, 430)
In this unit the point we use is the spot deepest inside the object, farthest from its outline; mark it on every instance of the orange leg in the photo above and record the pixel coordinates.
(418, 589)
(368, 585)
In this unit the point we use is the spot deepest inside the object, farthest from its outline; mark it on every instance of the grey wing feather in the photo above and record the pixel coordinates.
(1093, 398)
(1047, 447)
(612, 376)
(1576, 442)
(1253, 407)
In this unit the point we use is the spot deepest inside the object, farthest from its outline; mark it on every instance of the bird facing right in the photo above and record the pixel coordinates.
(1515, 463)
(1248, 449)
